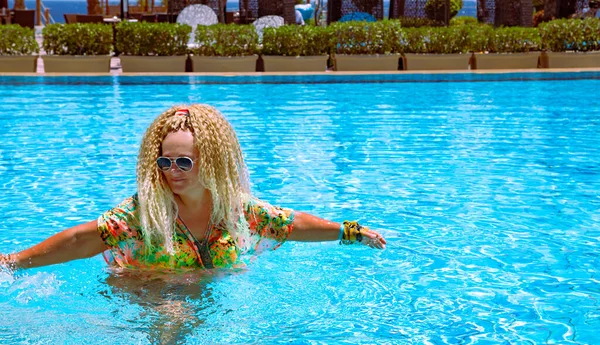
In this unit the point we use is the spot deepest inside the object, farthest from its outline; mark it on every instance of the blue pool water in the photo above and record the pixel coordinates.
(488, 193)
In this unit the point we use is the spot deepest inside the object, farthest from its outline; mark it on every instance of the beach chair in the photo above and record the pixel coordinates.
(70, 18)
(166, 18)
(135, 15)
(230, 17)
(24, 18)
(90, 18)
(151, 18)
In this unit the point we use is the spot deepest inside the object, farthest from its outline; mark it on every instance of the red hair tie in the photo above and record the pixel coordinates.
(183, 112)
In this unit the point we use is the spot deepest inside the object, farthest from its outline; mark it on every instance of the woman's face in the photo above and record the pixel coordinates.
(181, 144)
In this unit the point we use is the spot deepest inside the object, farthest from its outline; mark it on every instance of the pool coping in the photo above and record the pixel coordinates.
(323, 77)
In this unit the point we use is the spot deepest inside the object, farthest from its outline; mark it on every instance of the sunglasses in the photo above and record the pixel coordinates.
(183, 163)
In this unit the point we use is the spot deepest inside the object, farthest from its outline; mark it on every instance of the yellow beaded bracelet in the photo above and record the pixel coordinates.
(351, 232)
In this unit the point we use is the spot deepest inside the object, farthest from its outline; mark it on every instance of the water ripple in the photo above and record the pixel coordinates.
(488, 194)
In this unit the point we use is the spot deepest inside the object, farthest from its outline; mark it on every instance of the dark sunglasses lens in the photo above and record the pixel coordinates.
(163, 163)
(184, 163)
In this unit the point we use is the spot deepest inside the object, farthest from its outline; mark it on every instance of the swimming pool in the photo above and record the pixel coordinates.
(488, 193)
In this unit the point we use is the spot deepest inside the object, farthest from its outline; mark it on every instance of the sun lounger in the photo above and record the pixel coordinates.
(90, 18)
(24, 18)
(70, 18)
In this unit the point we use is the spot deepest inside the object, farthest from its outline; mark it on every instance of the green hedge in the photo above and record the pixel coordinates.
(464, 21)
(17, 40)
(155, 39)
(393, 36)
(442, 40)
(504, 40)
(382, 37)
(368, 38)
(571, 34)
(226, 40)
(296, 40)
(78, 39)
(408, 22)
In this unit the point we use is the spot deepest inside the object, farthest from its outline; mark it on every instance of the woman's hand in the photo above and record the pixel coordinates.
(372, 238)
(6, 262)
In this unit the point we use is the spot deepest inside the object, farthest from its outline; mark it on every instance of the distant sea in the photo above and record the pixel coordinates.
(59, 7)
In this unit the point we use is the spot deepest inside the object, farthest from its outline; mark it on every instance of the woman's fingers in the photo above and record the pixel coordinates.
(6, 262)
(374, 239)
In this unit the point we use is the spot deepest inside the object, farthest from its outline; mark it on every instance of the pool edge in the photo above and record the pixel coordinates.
(318, 77)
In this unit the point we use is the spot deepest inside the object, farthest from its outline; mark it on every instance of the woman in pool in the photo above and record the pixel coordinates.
(193, 208)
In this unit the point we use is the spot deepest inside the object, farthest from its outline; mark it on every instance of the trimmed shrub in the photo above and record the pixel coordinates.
(443, 40)
(368, 38)
(504, 40)
(571, 34)
(17, 40)
(226, 40)
(78, 39)
(470, 21)
(152, 39)
(409, 22)
(296, 40)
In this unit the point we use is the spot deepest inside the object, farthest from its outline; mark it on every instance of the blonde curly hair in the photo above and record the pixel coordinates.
(221, 169)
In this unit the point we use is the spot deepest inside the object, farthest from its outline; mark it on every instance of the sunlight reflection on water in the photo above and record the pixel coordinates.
(487, 193)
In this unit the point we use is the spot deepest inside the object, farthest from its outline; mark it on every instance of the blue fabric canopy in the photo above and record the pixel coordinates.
(306, 10)
(358, 16)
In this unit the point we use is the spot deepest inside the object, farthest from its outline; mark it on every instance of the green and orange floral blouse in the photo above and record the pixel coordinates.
(120, 229)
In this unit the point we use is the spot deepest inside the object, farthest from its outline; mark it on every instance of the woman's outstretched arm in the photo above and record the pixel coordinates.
(310, 228)
(78, 242)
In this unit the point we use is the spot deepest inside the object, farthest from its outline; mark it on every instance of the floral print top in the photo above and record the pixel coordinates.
(120, 229)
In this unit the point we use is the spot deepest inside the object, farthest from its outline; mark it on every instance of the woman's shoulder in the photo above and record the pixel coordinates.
(254, 203)
(129, 205)
(255, 206)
